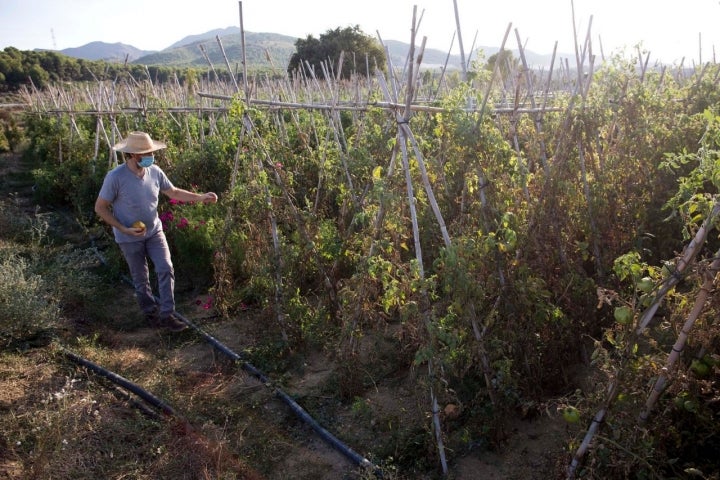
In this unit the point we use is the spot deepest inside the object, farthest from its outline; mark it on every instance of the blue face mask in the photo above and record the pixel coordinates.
(146, 161)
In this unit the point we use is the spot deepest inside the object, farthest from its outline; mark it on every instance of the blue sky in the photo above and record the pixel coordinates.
(668, 29)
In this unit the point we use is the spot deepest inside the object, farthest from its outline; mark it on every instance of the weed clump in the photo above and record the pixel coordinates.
(26, 311)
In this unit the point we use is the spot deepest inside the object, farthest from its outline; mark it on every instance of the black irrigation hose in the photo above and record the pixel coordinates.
(123, 382)
(299, 411)
(294, 406)
(143, 407)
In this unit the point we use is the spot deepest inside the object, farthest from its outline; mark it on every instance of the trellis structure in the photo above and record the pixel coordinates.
(523, 95)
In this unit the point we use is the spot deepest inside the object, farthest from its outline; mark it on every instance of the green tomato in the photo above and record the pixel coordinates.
(646, 299)
(709, 360)
(571, 414)
(700, 368)
(623, 315)
(646, 284)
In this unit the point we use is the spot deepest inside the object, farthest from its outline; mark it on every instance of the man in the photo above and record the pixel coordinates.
(128, 201)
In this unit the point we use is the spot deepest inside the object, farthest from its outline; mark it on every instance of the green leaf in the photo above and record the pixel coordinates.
(377, 173)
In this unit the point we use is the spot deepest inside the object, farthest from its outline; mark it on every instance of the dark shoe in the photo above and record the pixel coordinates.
(153, 319)
(172, 323)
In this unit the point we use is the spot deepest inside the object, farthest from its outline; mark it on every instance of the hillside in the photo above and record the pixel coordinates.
(263, 50)
(110, 52)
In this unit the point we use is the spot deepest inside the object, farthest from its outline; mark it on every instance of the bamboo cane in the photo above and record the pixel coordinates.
(278, 260)
(486, 95)
(444, 69)
(426, 183)
(227, 63)
(244, 54)
(522, 165)
(594, 426)
(688, 256)
(421, 272)
(416, 237)
(538, 117)
(472, 50)
(460, 41)
(679, 345)
(586, 185)
(207, 59)
(334, 121)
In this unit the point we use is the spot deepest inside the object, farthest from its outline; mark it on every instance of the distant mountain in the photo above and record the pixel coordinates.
(109, 52)
(190, 39)
(262, 50)
(433, 58)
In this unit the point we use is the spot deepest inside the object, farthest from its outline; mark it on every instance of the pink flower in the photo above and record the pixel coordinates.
(206, 305)
(183, 223)
(175, 202)
(166, 218)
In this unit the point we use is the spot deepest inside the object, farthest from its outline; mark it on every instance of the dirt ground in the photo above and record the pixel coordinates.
(531, 449)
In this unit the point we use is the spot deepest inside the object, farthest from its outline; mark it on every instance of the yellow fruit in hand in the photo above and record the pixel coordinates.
(139, 225)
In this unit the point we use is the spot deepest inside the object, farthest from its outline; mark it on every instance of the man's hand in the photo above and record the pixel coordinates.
(190, 197)
(209, 197)
(134, 231)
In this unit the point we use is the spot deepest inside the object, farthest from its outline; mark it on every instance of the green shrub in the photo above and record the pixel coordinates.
(26, 310)
(12, 223)
(191, 230)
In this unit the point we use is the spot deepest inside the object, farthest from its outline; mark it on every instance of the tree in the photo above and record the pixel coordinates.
(362, 53)
(507, 63)
(39, 76)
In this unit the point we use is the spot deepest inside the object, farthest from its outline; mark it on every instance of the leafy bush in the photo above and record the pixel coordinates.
(12, 224)
(67, 173)
(191, 230)
(26, 309)
(10, 132)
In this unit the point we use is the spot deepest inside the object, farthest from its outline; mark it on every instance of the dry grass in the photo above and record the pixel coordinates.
(61, 421)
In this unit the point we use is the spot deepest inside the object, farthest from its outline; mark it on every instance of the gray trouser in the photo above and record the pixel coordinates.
(136, 254)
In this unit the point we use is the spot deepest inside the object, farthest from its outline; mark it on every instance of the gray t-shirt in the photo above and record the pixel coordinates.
(135, 198)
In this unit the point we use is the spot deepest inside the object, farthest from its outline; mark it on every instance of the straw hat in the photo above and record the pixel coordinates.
(138, 142)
